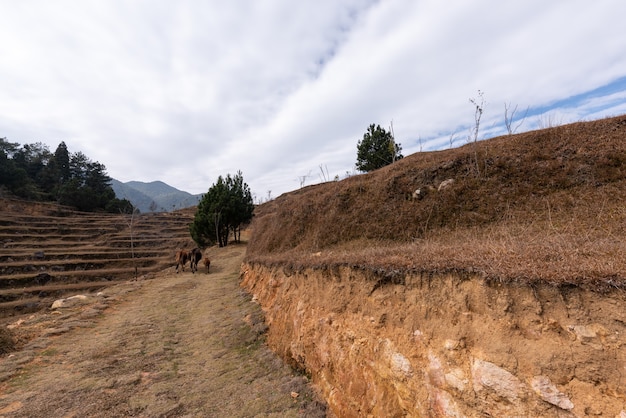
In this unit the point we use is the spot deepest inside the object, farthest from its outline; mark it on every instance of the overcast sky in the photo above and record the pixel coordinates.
(183, 91)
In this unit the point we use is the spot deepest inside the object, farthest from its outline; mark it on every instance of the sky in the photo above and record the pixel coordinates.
(185, 91)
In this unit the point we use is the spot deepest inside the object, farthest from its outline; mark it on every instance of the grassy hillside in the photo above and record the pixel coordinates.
(546, 205)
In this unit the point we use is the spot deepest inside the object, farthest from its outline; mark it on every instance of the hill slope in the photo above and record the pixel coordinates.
(154, 196)
(47, 250)
(498, 294)
(546, 205)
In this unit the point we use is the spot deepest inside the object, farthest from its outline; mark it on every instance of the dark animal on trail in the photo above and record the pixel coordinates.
(194, 257)
(207, 263)
(182, 256)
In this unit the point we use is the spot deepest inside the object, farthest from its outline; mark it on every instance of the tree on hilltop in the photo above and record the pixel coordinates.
(377, 149)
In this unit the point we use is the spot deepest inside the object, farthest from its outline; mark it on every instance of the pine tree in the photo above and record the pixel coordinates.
(224, 208)
(377, 149)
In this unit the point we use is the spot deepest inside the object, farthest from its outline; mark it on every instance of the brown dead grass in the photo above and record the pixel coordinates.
(546, 205)
(178, 345)
(47, 250)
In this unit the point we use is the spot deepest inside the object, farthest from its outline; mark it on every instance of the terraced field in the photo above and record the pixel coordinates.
(47, 250)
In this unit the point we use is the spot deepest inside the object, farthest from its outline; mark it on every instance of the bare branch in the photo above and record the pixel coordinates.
(452, 139)
(324, 177)
(479, 105)
(508, 119)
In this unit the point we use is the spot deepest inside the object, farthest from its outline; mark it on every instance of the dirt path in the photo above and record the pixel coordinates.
(174, 346)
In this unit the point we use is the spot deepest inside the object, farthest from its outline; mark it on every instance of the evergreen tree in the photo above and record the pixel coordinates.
(13, 178)
(62, 162)
(120, 206)
(31, 171)
(377, 149)
(225, 207)
(242, 202)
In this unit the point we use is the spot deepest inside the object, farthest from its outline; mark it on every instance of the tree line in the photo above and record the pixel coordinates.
(32, 171)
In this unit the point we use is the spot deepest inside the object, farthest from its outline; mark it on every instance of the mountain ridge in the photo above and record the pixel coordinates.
(154, 196)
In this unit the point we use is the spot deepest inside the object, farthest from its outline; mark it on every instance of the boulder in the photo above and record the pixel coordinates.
(70, 302)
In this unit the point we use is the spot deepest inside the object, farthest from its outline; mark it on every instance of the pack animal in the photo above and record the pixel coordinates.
(194, 257)
(182, 256)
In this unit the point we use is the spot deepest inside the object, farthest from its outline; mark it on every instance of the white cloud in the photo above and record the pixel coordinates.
(186, 91)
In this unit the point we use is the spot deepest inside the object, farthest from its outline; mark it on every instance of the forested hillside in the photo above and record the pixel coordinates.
(31, 171)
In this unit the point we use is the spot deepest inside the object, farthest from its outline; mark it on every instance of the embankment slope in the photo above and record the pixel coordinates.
(499, 293)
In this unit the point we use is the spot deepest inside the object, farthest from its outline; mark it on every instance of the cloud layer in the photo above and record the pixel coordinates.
(189, 90)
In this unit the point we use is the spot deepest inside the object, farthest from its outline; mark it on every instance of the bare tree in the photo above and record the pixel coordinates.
(392, 142)
(479, 106)
(302, 179)
(508, 119)
(549, 120)
(132, 239)
(452, 139)
(324, 177)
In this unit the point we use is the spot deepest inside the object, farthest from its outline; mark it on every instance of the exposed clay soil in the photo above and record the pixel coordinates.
(177, 345)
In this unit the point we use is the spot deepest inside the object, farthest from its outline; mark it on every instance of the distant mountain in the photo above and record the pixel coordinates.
(155, 196)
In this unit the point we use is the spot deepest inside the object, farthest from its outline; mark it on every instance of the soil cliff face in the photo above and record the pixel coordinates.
(445, 345)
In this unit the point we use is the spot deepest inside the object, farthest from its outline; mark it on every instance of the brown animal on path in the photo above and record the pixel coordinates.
(182, 256)
(195, 256)
(207, 263)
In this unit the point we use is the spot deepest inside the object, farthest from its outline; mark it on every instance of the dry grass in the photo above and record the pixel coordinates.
(49, 250)
(546, 205)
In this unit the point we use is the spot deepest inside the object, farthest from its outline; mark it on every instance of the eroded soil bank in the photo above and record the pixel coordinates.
(446, 346)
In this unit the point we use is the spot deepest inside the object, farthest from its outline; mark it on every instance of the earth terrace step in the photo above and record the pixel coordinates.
(78, 262)
(102, 221)
(78, 224)
(57, 229)
(87, 227)
(53, 224)
(21, 281)
(21, 306)
(160, 231)
(25, 239)
(14, 304)
(76, 215)
(8, 295)
(25, 236)
(104, 242)
(58, 266)
(161, 222)
(106, 223)
(85, 266)
(42, 244)
(137, 240)
(85, 253)
(49, 242)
